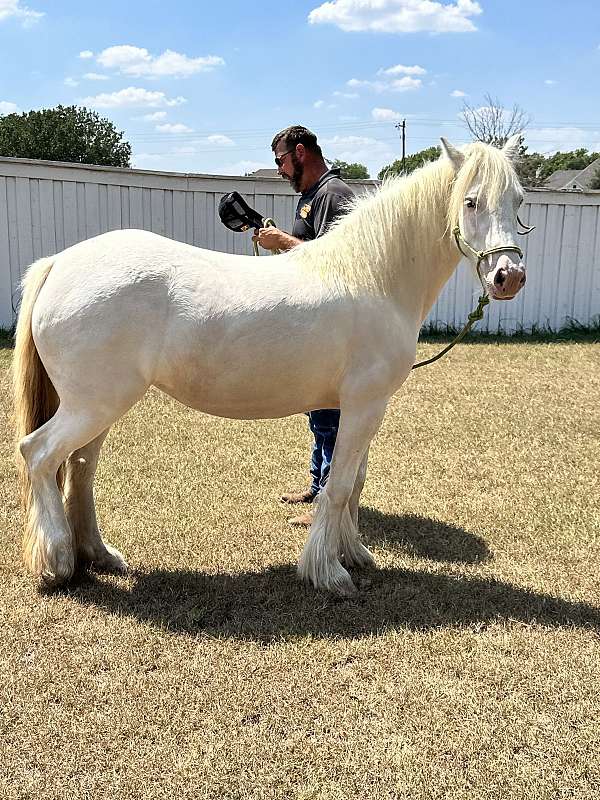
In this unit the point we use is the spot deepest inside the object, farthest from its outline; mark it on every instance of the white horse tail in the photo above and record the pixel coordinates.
(35, 399)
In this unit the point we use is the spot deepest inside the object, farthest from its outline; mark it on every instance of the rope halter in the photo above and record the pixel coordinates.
(484, 300)
(481, 255)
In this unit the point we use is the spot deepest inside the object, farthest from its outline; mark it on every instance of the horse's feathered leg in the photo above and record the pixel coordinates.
(352, 549)
(333, 530)
(49, 551)
(81, 513)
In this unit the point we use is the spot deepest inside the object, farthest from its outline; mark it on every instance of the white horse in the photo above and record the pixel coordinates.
(111, 316)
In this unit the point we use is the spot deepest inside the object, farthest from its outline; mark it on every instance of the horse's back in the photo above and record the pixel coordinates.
(136, 298)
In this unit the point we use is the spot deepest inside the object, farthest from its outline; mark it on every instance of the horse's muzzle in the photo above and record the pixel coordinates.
(506, 279)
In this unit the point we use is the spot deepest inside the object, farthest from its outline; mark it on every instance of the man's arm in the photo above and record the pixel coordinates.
(275, 239)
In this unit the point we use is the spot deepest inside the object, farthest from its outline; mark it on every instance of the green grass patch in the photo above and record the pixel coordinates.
(573, 331)
(6, 338)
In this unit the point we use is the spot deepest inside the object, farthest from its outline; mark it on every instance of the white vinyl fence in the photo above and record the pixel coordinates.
(47, 206)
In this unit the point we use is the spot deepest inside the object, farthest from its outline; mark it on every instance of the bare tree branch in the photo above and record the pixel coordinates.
(492, 123)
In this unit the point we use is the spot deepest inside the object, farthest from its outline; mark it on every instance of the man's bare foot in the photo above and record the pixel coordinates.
(304, 519)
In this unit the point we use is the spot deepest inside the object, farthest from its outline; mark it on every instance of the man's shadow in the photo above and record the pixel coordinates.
(269, 604)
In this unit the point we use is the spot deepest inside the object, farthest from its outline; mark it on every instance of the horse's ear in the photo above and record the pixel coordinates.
(452, 154)
(511, 148)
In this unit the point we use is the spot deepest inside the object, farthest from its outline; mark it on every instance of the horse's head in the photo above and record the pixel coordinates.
(484, 203)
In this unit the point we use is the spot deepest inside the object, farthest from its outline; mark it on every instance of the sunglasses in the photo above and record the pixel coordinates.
(280, 158)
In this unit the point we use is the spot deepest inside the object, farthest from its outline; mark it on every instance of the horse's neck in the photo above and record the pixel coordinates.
(443, 265)
(394, 243)
(420, 256)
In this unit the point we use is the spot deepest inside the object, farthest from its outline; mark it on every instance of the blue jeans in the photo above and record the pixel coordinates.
(324, 426)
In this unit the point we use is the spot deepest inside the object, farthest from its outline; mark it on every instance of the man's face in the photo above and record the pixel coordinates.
(289, 165)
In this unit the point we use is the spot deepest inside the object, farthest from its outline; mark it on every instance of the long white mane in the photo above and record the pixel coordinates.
(367, 247)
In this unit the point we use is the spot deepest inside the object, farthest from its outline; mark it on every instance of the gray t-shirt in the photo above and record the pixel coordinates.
(320, 205)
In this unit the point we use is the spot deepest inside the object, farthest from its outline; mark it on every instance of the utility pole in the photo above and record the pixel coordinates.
(401, 126)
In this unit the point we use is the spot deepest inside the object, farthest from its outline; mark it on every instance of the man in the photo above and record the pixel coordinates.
(323, 197)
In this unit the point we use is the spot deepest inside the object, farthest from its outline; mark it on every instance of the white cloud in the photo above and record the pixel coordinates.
(377, 86)
(551, 140)
(154, 117)
(405, 84)
(137, 61)
(86, 54)
(363, 149)
(398, 16)
(400, 69)
(14, 8)
(95, 76)
(196, 146)
(220, 139)
(132, 97)
(70, 82)
(458, 93)
(385, 115)
(550, 83)
(323, 104)
(346, 95)
(177, 127)
(8, 108)
(241, 168)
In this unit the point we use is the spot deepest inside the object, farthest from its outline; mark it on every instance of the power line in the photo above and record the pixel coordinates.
(344, 126)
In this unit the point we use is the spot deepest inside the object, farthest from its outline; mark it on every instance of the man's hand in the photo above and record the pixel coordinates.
(274, 239)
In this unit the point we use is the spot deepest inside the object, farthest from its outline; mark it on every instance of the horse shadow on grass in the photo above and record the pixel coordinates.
(422, 537)
(271, 604)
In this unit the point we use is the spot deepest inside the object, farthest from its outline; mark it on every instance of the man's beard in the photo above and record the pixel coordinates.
(297, 174)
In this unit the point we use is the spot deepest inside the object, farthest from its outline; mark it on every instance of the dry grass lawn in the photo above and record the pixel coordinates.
(468, 666)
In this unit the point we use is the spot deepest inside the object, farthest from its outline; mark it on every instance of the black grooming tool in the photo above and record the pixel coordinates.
(236, 214)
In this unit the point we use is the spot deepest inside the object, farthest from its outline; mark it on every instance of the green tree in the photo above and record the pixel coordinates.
(411, 162)
(531, 168)
(573, 159)
(64, 133)
(350, 170)
(534, 168)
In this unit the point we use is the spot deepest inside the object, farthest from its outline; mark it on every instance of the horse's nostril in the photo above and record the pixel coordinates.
(500, 277)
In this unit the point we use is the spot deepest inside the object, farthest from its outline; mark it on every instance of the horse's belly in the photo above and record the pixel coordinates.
(249, 399)
(263, 384)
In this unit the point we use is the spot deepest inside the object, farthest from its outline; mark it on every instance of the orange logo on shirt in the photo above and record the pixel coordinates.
(305, 211)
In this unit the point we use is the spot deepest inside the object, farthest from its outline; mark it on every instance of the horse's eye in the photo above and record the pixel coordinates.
(470, 202)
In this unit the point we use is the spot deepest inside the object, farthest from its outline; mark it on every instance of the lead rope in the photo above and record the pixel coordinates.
(484, 300)
(473, 317)
(267, 223)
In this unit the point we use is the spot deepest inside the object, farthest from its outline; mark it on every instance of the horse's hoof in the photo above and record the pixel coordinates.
(53, 579)
(343, 587)
(111, 562)
(336, 580)
(360, 557)
(53, 566)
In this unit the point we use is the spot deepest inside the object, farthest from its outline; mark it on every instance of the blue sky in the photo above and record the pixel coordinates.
(203, 86)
